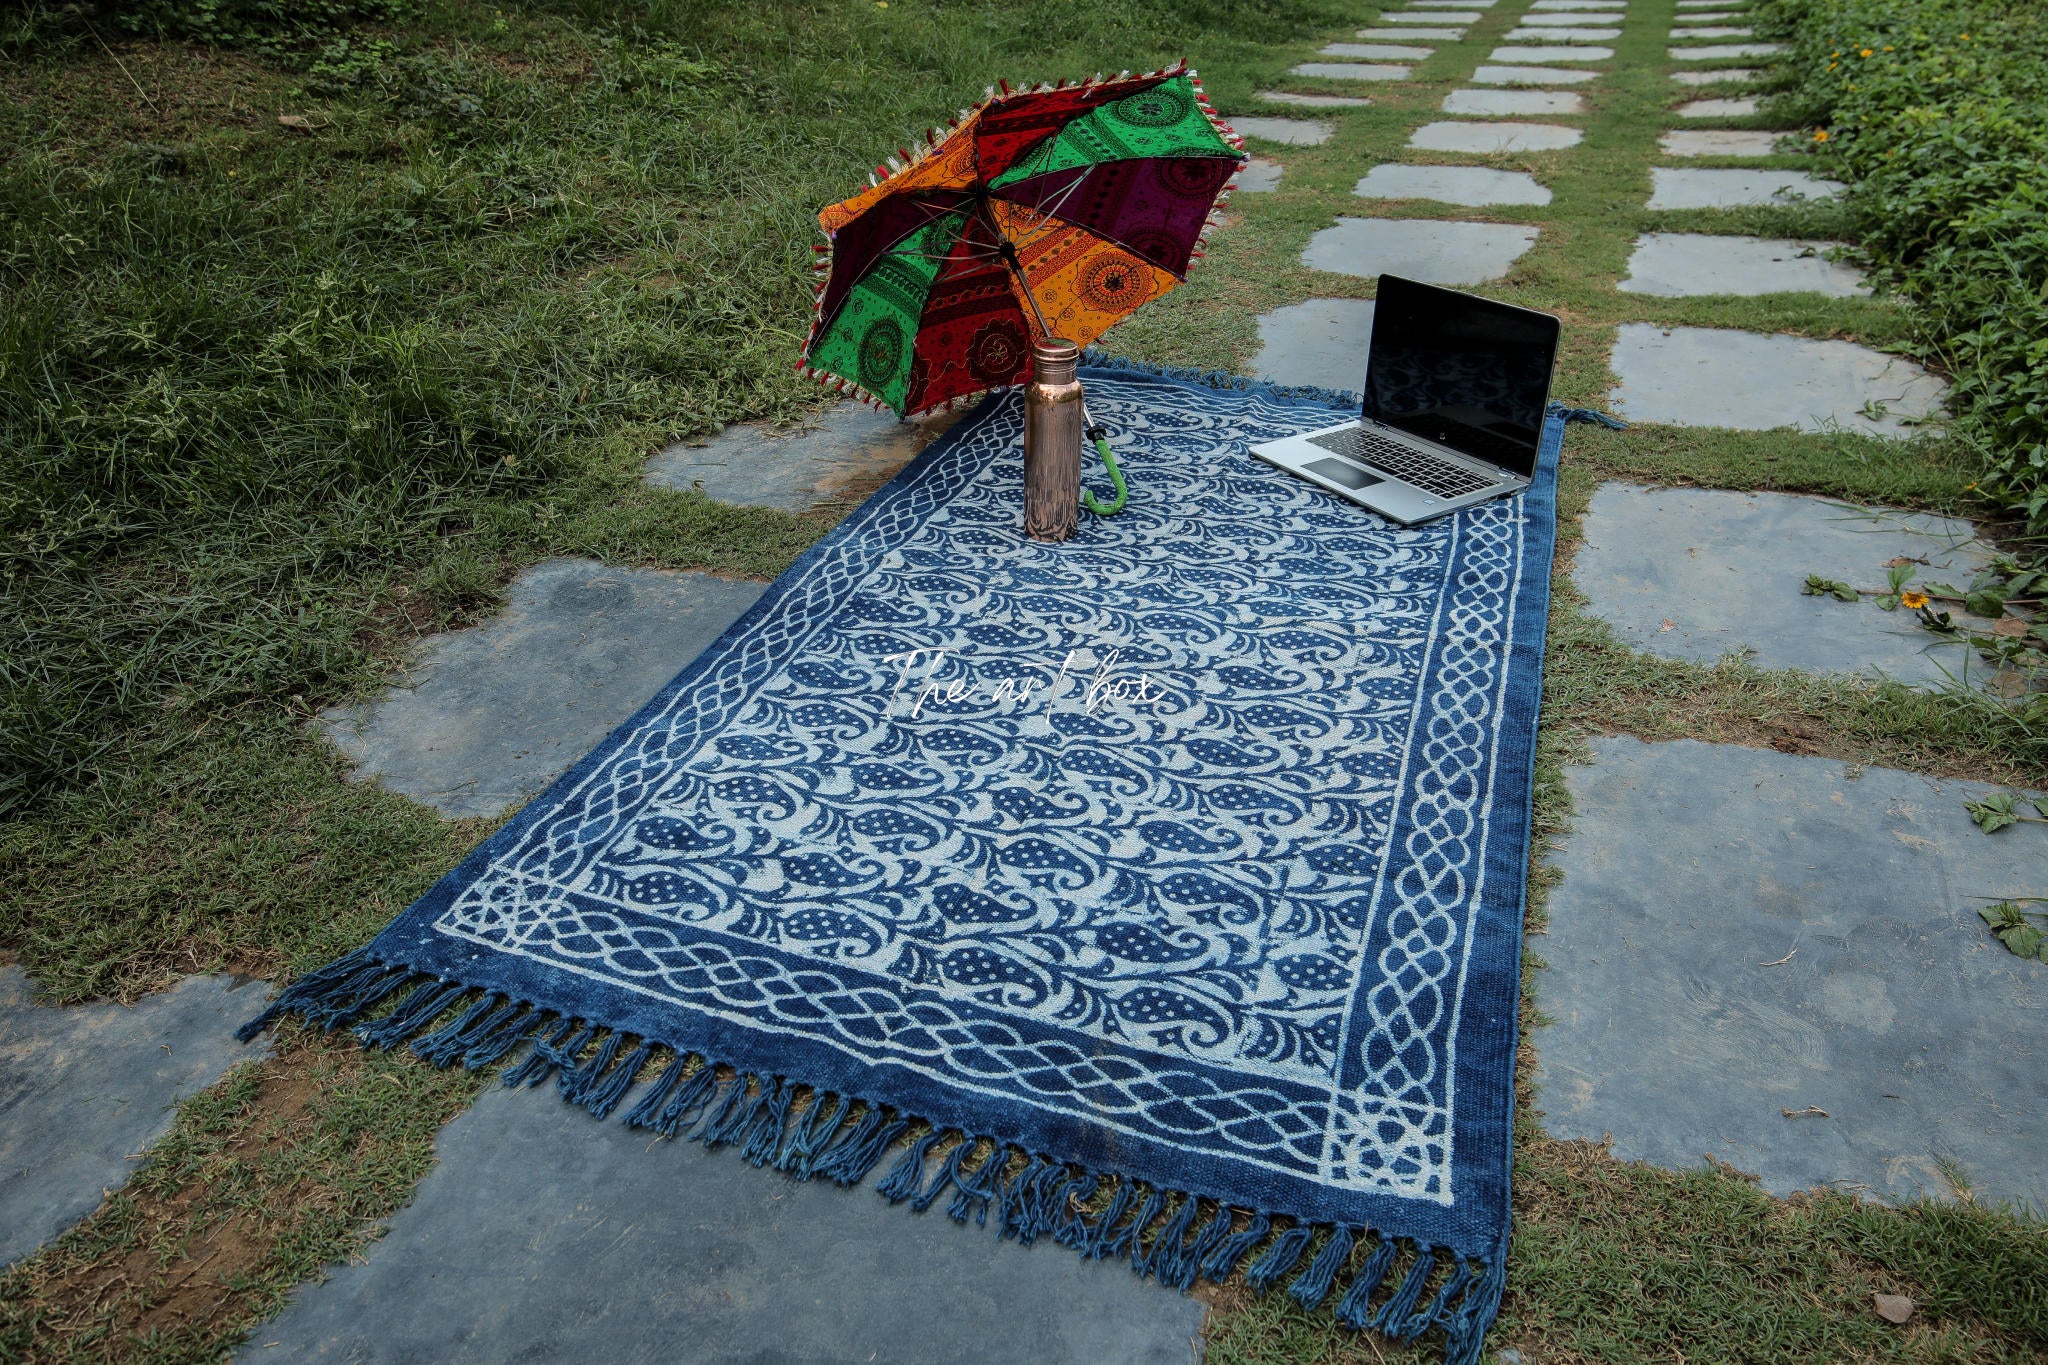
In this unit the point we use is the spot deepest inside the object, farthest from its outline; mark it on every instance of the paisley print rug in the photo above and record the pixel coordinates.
(1158, 894)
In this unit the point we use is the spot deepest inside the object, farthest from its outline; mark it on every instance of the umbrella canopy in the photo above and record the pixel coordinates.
(1054, 211)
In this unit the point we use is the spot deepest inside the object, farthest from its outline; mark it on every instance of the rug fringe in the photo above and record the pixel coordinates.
(1177, 1237)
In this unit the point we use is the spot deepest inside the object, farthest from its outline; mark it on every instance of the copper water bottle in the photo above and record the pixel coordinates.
(1052, 441)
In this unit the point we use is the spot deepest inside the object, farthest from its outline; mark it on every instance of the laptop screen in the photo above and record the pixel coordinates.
(1465, 372)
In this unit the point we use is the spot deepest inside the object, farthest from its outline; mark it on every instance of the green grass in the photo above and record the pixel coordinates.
(274, 401)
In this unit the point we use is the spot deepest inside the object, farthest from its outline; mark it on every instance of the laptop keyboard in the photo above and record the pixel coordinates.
(1405, 463)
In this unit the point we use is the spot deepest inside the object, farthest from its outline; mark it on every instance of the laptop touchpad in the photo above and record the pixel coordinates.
(1337, 471)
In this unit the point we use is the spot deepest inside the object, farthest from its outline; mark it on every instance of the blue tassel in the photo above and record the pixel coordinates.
(907, 1174)
(1128, 1239)
(1012, 1196)
(575, 1080)
(1588, 416)
(1045, 1203)
(1188, 1268)
(495, 1040)
(949, 1171)
(417, 1010)
(441, 1047)
(1164, 1252)
(1097, 1244)
(1482, 1300)
(1392, 1319)
(358, 995)
(1224, 1259)
(812, 1129)
(1354, 1310)
(849, 1163)
(541, 1062)
(674, 1100)
(326, 988)
(1435, 1314)
(738, 1117)
(974, 1192)
(1070, 1225)
(719, 1113)
(601, 1097)
(765, 1139)
(1279, 1258)
(1312, 1286)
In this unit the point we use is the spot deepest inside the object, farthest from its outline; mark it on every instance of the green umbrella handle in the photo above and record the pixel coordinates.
(1116, 477)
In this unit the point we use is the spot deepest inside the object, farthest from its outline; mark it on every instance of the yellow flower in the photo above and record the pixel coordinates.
(1966, 37)
(1820, 135)
(1970, 487)
(1864, 53)
(1833, 65)
(1891, 49)
(1915, 600)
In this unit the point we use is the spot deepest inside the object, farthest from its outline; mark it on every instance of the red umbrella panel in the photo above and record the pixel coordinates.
(1054, 211)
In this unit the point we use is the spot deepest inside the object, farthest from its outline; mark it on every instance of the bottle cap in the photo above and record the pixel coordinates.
(1054, 360)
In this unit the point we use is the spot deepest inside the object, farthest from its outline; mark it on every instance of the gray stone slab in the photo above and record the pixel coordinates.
(758, 465)
(1718, 142)
(1698, 573)
(1314, 101)
(1681, 188)
(1677, 265)
(1711, 4)
(1731, 17)
(489, 716)
(1351, 71)
(1563, 35)
(542, 1234)
(1320, 342)
(1694, 867)
(1451, 4)
(1567, 19)
(1547, 55)
(1413, 35)
(1290, 132)
(1713, 31)
(1494, 138)
(1431, 251)
(1259, 176)
(1736, 108)
(1391, 52)
(86, 1089)
(1721, 52)
(1317, 342)
(1530, 75)
(1473, 186)
(1491, 102)
(1716, 377)
(1441, 16)
(1733, 73)
(1566, 6)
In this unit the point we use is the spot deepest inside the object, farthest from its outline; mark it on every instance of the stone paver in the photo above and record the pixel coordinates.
(1490, 102)
(1391, 52)
(1442, 16)
(1733, 16)
(86, 1089)
(1562, 19)
(1677, 188)
(1321, 342)
(1715, 377)
(1290, 132)
(1718, 142)
(1467, 5)
(1563, 35)
(1676, 265)
(1259, 176)
(759, 465)
(1547, 55)
(1413, 35)
(1314, 101)
(1709, 4)
(1420, 249)
(1737, 108)
(1721, 52)
(1695, 573)
(1473, 186)
(1733, 73)
(1530, 75)
(1546, 6)
(1713, 31)
(542, 1234)
(1492, 138)
(1693, 868)
(491, 715)
(1351, 71)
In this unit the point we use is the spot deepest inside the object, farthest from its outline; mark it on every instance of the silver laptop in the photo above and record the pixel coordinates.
(1455, 391)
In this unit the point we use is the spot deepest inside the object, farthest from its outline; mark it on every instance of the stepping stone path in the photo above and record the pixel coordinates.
(1474, 186)
(84, 1089)
(1677, 265)
(1721, 952)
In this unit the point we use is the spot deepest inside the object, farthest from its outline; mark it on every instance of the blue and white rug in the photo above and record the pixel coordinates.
(1158, 893)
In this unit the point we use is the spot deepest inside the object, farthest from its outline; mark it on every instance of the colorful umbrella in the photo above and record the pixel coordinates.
(1050, 212)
